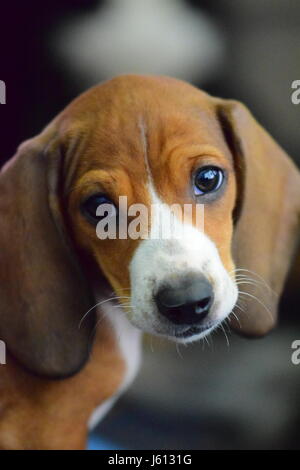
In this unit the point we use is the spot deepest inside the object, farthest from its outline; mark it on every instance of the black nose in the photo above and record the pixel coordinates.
(187, 303)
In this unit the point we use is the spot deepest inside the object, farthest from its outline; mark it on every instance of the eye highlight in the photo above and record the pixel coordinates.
(90, 206)
(208, 179)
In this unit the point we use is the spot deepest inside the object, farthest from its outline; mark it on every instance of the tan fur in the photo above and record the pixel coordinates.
(96, 144)
(36, 413)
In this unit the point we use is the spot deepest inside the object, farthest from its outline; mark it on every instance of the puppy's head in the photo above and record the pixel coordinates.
(164, 144)
(157, 144)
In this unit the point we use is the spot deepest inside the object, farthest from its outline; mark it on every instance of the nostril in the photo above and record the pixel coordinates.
(202, 304)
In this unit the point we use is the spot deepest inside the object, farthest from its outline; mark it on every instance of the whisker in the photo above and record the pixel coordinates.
(259, 277)
(178, 351)
(211, 338)
(102, 317)
(205, 340)
(223, 329)
(240, 307)
(250, 283)
(258, 300)
(122, 306)
(227, 325)
(236, 317)
(243, 278)
(97, 305)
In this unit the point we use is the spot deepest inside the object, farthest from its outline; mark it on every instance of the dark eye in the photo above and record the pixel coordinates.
(207, 180)
(96, 207)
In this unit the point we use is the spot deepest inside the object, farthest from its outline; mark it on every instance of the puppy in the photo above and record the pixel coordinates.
(158, 142)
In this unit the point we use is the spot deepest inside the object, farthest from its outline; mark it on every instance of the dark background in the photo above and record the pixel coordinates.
(244, 396)
(260, 62)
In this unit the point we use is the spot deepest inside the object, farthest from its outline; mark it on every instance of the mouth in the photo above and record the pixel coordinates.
(192, 331)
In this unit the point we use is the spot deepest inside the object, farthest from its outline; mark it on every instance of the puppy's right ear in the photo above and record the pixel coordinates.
(43, 293)
(267, 216)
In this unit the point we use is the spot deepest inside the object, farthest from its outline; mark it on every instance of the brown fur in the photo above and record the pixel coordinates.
(36, 413)
(96, 144)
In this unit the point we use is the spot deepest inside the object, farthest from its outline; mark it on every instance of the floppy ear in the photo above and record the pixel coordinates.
(43, 293)
(266, 216)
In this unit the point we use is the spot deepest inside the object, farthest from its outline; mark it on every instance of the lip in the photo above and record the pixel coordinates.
(192, 330)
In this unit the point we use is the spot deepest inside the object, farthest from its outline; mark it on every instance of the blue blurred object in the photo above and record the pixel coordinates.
(97, 443)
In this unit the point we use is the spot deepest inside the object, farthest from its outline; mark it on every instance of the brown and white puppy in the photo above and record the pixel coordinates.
(158, 141)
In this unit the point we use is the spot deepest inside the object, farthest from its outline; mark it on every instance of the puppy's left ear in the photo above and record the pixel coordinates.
(44, 292)
(266, 216)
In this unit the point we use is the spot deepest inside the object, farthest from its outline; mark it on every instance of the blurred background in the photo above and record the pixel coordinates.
(231, 393)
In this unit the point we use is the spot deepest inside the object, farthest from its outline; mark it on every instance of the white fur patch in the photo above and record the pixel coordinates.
(157, 260)
(129, 341)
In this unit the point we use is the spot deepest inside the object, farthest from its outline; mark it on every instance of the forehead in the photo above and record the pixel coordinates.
(119, 123)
